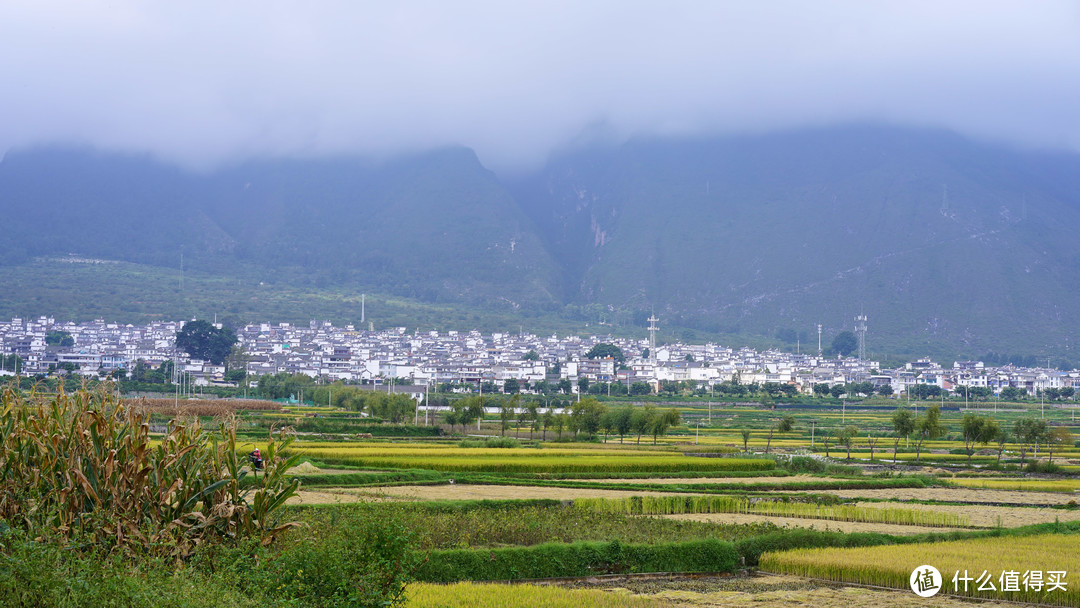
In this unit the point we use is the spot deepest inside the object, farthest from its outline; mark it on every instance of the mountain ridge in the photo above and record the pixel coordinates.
(945, 243)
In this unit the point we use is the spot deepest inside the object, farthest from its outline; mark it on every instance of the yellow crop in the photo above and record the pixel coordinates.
(668, 505)
(891, 566)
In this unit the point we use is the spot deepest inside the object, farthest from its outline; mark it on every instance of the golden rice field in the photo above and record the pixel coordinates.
(1019, 484)
(674, 504)
(991, 516)
(800, 522)
(476, 595)
(891, 566)
(523, 460)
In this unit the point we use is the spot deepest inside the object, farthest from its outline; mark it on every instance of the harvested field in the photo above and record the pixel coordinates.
(777, 590)
(798, 522)
(323, 497)
(202, 407)
(987, 516)
(957, 495)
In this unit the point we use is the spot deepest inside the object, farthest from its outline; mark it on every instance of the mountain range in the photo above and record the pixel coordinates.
(948, 245)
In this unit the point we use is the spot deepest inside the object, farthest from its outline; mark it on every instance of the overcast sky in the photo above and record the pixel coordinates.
(209, 82)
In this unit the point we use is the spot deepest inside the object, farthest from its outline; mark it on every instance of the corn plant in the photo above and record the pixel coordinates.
(82, 466)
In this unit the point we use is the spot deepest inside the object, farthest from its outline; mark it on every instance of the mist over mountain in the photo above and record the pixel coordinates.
(947, 244)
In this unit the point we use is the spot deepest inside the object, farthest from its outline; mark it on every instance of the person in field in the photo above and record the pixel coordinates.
(256, 459)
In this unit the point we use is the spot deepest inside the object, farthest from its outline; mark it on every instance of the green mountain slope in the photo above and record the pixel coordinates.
(436, 226)
(945, 244)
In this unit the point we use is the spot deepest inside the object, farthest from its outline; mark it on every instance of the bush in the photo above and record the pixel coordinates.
(1038, 466)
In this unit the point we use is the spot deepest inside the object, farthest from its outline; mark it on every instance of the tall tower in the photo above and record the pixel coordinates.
(819, 339)
(860, 332)
(363, 307)
(652, 336)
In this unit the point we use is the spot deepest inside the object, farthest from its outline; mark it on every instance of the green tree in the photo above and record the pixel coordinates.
(511, 386)
(1012, 393)
(201, 340)
(532, 355)
(1030, 432)
(586, 415)
(845, 343)
(1059, 436)
(837, 390)
(821, 389)
(903, 423)
(662, 422)
(745, 439)
(846, 437)
(59, 338)
(507, 411)
(583, 385)
(548, 420)
(603, 350)
(532, 416)
(977, 429)
(622, 419)
(927, 427)
(642, 420)
(786, 424)
(885, 390)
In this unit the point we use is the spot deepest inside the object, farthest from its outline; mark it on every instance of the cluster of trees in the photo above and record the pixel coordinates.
(587, 418)
(1028, 432)
(851, 389)
(143, 373)
(59, 338)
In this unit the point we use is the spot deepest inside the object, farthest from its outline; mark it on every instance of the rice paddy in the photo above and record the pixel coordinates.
(667, 505)
(1005, 562)
(1070, 486)
(525, 460)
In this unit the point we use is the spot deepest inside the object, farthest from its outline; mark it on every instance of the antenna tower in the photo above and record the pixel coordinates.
(652, 336)
(819, 339)
(860, 332)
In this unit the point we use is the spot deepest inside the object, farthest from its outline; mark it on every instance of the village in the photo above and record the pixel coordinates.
(456, 360)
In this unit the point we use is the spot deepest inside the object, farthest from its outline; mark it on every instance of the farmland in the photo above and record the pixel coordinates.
(493, 507)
